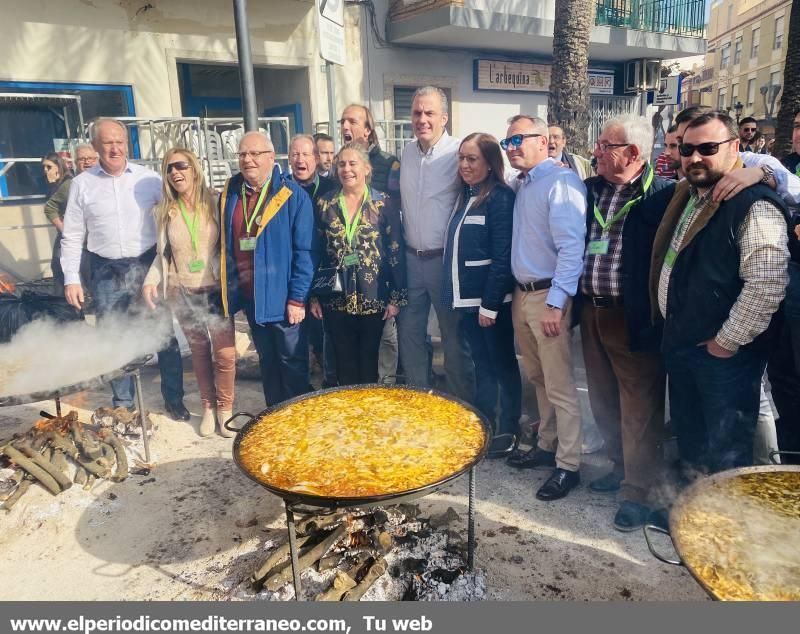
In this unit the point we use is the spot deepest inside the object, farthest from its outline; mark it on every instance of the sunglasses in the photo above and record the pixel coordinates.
(181, 166)
(516, 140)
(704, 149)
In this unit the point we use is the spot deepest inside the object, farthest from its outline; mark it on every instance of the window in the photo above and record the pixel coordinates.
(725, 56)
(721, 101)
(32, 126)
(751, 92)
(754, 44)
(778, 41)
(737, 51)
(734, 94)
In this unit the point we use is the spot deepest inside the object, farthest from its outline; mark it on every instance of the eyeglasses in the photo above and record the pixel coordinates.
(253, 154)
(181, 166)
(516, 140)
(603, 147)
(704, 149)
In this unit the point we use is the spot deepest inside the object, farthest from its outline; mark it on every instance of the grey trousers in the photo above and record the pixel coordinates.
(424, 291)
(387, 355)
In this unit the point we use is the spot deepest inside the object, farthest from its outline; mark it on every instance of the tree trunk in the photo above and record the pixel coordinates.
(790, 98)
(568, 105)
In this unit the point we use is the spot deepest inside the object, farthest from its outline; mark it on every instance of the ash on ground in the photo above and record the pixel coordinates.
(424, 561)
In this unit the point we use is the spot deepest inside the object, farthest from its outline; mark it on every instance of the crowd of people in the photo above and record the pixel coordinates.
(677, 286)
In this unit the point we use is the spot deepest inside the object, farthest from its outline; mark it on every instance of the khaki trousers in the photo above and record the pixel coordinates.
(547, 362)
(626, 393)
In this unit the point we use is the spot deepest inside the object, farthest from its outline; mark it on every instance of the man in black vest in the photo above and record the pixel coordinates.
(624, 366)
(718, 274)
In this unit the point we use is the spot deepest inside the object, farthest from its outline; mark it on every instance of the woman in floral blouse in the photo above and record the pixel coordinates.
(361, 236)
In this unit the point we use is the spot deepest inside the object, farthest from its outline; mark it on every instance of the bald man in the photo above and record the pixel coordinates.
(268, 226)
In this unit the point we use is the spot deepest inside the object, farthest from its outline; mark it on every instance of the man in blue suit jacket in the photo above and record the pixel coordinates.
(266, 233)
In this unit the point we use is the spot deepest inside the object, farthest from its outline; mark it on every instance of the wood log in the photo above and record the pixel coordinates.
(90, 480)
(276, 557)
(119, 451)
(68, 447)
(24, 485)
(80, 475)
(108, 456)
(375, 571)
(44, 478)
(84, 441)
(381, 539)
(283, 575)
(317, 523)
(59, 476)
(59, 460)
(342, 582)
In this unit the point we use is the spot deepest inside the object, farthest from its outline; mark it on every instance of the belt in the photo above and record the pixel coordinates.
(599, 301)
(539, 285)
(426, 255)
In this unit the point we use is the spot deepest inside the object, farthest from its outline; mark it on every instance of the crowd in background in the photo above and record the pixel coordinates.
(679, 273)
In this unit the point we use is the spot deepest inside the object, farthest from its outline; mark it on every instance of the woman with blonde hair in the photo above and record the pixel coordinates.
(187, 269)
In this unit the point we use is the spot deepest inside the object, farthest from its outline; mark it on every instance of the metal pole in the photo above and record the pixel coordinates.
(471, 522)
(248, 83)
(137, 381)
(333, 127)
(293, 551)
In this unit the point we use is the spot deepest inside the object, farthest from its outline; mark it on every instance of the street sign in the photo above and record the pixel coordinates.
(331, 30)
(669, 93)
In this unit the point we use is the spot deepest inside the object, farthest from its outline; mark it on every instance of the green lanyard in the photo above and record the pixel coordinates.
(316, 186)
(605, 226)
(191, 226)
(797, 170)
(248, 222)
(685, 215)
(350, 227)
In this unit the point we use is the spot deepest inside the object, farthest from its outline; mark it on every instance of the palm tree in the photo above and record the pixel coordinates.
(790, 99)
(568, 105)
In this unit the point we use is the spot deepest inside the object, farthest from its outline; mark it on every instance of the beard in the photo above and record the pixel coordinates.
(702, 176)
(675, 164)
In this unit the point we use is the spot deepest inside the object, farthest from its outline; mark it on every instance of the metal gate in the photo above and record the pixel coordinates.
(605, 108)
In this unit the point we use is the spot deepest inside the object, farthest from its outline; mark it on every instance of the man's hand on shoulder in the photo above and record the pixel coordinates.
(735, 181)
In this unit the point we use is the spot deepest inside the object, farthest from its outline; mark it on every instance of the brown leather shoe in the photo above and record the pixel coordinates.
(558, 485)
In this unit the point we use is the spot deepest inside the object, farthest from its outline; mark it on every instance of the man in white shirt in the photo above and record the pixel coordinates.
(428, 190)
(111, 205)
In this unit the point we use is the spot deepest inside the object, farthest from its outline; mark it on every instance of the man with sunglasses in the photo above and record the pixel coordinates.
(110, 206)
(748, 129)
(547, 259)
(267, 232)
(624, 368)
(718, 274)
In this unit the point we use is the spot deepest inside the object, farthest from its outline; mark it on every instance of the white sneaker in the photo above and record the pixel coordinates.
(207, 423)
(222, 416)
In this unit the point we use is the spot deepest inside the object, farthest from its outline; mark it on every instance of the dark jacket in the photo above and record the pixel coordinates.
(385, 172)
(704, 283)
(638, 234)
(283, 265)
(317, 189)
(477, 255)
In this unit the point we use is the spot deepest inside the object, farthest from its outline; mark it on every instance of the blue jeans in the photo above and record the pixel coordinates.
(282, 355)
(714, 406)
(116, 288)
(496, 369)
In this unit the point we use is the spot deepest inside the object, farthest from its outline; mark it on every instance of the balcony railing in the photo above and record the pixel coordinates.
(674, 17)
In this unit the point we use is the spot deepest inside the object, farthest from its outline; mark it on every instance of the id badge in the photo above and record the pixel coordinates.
(247, 244)
(195, 266)
(670, 257)
(351, 259)
(598, 247)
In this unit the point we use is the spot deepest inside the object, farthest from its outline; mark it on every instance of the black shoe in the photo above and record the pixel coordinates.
(631, 516)
(608, 483)
(558, 485)
(177, 411)
(502, 445)
(659, 518)
(532, 459)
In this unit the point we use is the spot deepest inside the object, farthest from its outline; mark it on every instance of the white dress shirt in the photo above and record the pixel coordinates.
(115, 213)
(429, 186)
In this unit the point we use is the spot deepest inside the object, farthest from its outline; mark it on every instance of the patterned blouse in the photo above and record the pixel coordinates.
(379, 278)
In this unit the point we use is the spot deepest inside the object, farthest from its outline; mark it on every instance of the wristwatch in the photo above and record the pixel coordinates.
(769, 174)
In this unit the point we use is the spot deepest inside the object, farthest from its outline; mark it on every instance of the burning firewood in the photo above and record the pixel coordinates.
(371, 575)
(280, 554)
(342, 582)
(44, 478)
(284, 574)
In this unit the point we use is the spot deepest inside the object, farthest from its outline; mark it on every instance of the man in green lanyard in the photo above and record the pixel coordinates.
(624, 369)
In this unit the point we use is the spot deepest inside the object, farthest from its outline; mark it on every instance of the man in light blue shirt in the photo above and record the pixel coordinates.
(547, 261)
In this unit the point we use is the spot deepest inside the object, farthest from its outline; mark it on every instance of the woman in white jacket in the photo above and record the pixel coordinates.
(187, 268)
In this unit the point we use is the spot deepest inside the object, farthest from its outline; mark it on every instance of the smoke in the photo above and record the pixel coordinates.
(46, 355)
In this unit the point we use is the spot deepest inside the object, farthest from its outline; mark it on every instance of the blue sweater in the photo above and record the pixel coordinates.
(283, 267)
